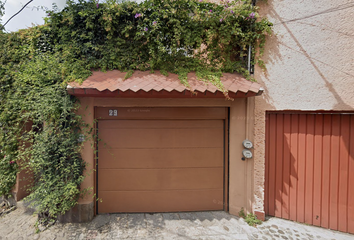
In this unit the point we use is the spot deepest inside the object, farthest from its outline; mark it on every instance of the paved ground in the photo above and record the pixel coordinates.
(197, 225)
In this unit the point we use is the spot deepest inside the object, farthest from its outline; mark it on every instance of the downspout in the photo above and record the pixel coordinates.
(249, 71)
(249, 204)
(249, 59)
(247, 101)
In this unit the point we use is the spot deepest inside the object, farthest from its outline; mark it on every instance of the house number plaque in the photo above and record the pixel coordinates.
(113, 112)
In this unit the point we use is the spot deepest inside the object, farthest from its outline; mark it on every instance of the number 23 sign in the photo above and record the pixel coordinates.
(113, 112)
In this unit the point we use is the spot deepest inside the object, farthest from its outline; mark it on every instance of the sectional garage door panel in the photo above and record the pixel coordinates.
(309, 169)
(159, 179)
(160, 201)
(160, 138)
(156, 158)
(153, 124)
(160, 165)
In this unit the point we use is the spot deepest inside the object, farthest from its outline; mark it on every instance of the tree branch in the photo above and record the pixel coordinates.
(17, 13)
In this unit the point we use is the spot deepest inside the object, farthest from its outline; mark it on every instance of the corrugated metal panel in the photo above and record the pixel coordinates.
(310, 169)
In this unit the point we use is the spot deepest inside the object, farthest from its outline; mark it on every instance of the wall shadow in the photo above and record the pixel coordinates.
(272, 47)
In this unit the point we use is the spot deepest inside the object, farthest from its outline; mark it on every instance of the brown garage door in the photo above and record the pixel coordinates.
(160, 165)
(309, 169)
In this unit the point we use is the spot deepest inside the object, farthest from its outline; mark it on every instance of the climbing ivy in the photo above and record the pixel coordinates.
(1, 10)
(177, 36)
(49, 148)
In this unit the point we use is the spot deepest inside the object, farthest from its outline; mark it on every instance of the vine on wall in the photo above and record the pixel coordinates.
(177, 36)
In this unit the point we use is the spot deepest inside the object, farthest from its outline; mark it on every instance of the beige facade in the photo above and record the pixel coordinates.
(240, 172)
(310, 66)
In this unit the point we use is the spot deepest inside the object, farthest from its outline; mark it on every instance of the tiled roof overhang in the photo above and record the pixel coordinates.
(155, 85)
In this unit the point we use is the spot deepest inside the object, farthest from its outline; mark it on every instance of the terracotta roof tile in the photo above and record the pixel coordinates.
(211, 88)
(180, 88)
(243, 88)
(234, 87)
(147, 87)
(146, 81)
(254, 87)
(174, 84)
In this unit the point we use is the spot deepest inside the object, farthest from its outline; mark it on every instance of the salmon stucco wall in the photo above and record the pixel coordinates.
(310, 65)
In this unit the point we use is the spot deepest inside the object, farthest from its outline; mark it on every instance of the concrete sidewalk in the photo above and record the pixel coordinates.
(191, 225)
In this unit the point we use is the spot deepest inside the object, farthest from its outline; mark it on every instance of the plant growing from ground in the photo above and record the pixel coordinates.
(250, 219)
(50, 149)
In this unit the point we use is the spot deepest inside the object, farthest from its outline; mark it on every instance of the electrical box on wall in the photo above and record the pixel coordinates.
(247, 144)
(247, 153)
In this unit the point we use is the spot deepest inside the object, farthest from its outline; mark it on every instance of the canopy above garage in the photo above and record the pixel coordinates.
(155, 85)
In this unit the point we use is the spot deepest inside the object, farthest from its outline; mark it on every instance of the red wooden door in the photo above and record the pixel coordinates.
(310, 168)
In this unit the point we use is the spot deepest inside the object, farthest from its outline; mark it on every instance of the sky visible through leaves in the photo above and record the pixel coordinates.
(32, 14)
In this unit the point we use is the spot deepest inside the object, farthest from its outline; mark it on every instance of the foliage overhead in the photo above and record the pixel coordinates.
(1, 12)
(175, 36)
